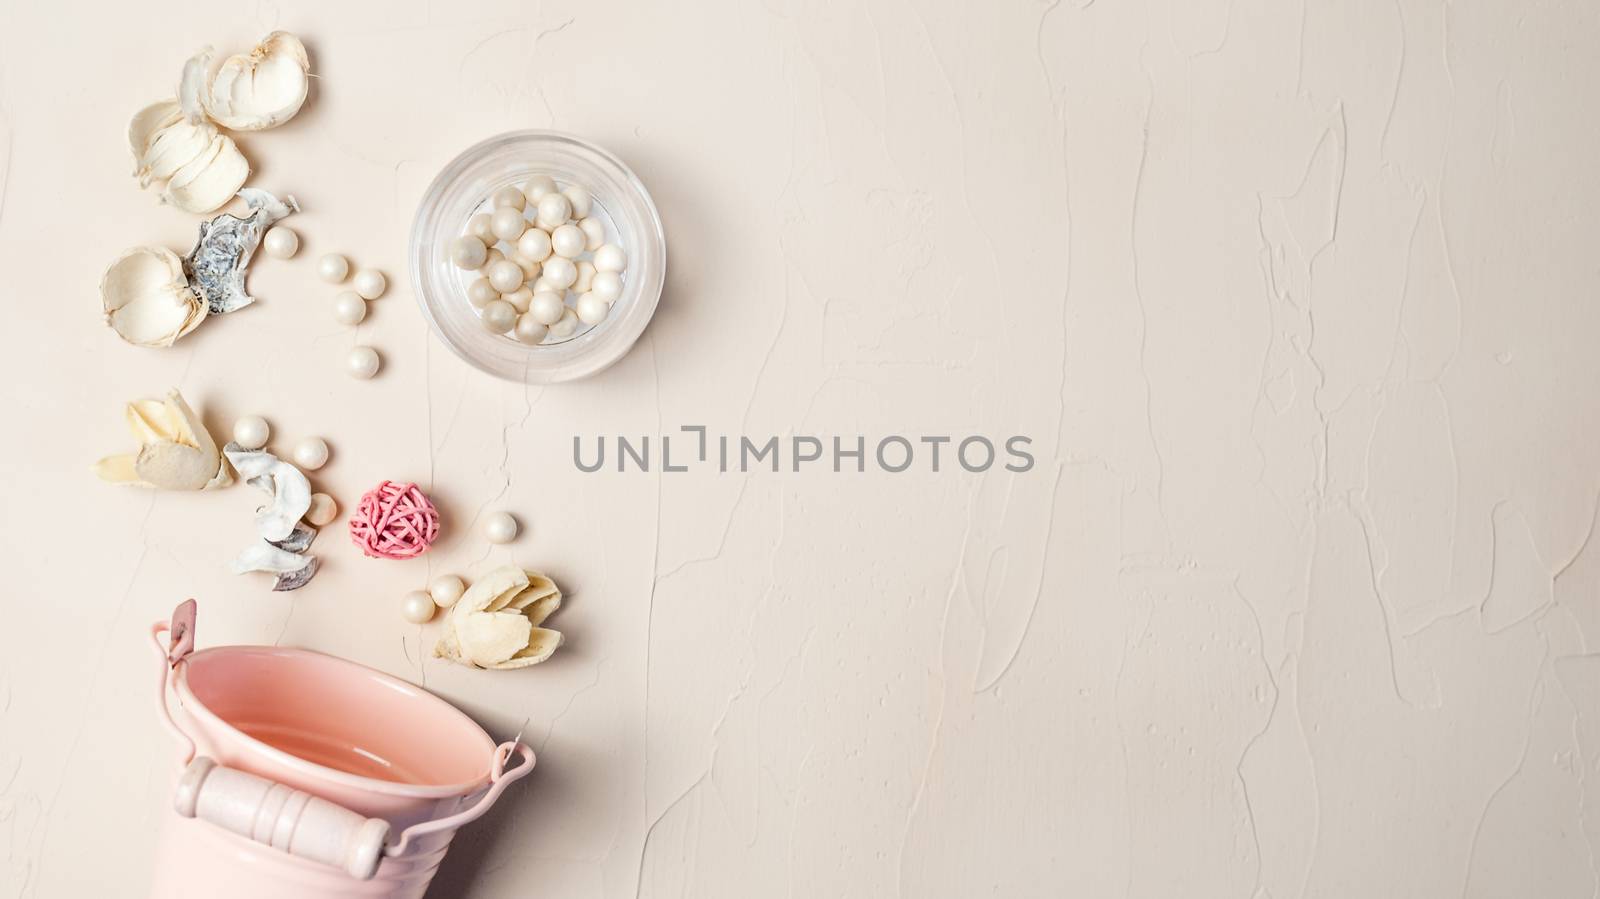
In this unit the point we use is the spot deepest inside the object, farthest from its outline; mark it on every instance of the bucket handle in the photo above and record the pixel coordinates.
(179, 642)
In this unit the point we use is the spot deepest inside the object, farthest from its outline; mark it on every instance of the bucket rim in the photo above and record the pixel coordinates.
(394, 789)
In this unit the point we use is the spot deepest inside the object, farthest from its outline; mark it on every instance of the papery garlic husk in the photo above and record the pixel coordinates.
(147, 299)
(176, 451)
(495, 623)
(176, 149)
(261, 89)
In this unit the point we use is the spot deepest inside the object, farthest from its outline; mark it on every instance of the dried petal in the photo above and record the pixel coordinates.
(495, 623)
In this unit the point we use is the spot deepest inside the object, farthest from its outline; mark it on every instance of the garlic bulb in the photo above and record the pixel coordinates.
(198, 168)
(495, 623)
(147, 298)
(262, 89)
(175, 450)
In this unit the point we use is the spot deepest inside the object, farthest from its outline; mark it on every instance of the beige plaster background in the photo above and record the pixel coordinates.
(1297, 300)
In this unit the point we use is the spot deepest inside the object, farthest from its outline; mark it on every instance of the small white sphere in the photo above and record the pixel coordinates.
(418, 607)
(519, 298)
(494, 256)
(607, 286)
(543, 283)
(500, 527)
(333, 268)
(530, 269)
(536, 187)
(362, 363)
(349, 308)
(311, 453)
(280, 242)
(370, 283)
(468, 252)
(446, 589)
(480, 292)
(610, 258)
(479, 226)
(560, 272)
(554, 210)
(585, 277)
(567, 241)
(546, 307)
(322, 511)
(578, 200)
(499, 316)
(505, 275)
(534, 244)
(507, 223)
(592, 310)
(530, 329)
(566, 327)
(251, 432)
(594, 233)
(509, 197)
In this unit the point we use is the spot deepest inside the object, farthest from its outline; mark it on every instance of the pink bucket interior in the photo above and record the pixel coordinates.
(340, 715)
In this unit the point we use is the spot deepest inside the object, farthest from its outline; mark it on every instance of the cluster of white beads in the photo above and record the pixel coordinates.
(535, 248)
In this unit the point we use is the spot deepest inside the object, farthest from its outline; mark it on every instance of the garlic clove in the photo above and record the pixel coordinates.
(210, 180)
(174, 147)
(147, 299)
(261, 89)
(146, 123)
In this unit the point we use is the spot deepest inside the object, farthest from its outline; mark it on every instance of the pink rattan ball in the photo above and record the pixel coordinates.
(394, 521)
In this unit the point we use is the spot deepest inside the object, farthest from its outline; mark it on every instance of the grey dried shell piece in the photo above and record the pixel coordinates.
(299, 539)
(294, 580)
(217, 266)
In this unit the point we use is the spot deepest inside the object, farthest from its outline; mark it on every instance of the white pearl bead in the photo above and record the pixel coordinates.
(418, 607)
(311, 453)
(530, 329)
(567, 241)
(536, 187)
(500, 527)
(322, 511)
(594, 233)
(534, 244)
(519, 298)
(494, 256)
(543, 283)
(468, 252)
(251, 432)
(349, 308)
(546, 307)
(566, 327)
(446, 589)
(530, 269)
(579, 200)
(499, 316)
(480, 293)
(585, 277)
(607, 286)
(333, 268)
(554, 210)
(478, 226)
(560, 272)
(280, 242)
(610, 258)
(508, 197)
(505, 275)
(371, 283)
(592, 310)
(362, 363)
(507, 223)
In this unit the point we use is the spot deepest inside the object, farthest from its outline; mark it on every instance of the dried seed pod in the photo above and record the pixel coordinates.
(496, 622)
(147, 299)
(261, 89)
(175, 453)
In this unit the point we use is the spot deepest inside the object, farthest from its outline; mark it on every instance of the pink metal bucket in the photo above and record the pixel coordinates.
(305, 775)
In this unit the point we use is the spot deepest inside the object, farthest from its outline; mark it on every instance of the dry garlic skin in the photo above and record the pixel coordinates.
(261, 89)
(147, 299)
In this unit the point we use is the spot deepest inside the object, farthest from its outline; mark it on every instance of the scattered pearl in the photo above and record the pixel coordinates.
(594, 233)
(280, 242)
(478, 226)
(519, 298)
(251, 432)
(371, 283)
(530, 329)
(507, 223)
(480, 292)
(592, 310)
(607, 286)
(446, 589)
(311, 453)
(499, 316)
(468, 252)
(333, 268)
(536, 187)
(567, 241)
(585, 277)
(534, 244)
(505, 275)
(323, 510)
(546, 307)
(578, 201)
(508, 197)
(566, 327)
(362, 363)
(560, 272)
(610, 258)
(554, 210)
(418, 607)
(500, 527)
(349, 308)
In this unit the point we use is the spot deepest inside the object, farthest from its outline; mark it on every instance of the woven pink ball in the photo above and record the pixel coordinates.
(394, 521)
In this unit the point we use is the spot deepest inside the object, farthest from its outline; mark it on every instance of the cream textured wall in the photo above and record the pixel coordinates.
(1298, 301)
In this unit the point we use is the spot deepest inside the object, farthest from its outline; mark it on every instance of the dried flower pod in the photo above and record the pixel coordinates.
(261, 89)
(495, 623)
(147, 299)
(175, 453)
